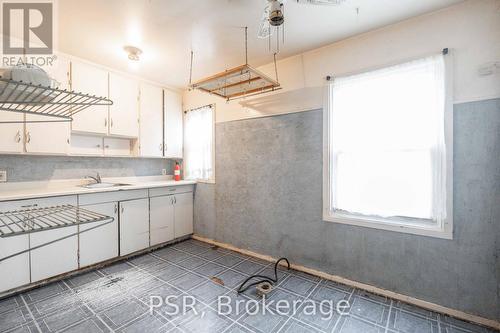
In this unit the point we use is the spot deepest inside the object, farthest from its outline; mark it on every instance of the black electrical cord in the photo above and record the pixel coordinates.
(263, 277)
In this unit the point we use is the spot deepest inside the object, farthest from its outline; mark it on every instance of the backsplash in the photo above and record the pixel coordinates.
(22, 168)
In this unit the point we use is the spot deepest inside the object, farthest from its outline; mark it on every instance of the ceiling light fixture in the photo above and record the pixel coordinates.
(133, 52)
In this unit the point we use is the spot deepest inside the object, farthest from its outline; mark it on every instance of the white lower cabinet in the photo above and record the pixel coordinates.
(161, 212)
(183, 214)
(134, 226)
(15, 271)
(58, 253)
(99, 241)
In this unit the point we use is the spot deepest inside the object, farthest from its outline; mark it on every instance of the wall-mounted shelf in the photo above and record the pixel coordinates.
(22, 222)
(57, 105)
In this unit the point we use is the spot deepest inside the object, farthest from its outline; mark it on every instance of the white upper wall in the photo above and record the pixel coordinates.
(471, 30)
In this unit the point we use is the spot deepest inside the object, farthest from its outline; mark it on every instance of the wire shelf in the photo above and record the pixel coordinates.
(22, 222)
(58, 105)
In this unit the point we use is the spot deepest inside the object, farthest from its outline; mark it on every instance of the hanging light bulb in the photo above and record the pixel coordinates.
(276, 17)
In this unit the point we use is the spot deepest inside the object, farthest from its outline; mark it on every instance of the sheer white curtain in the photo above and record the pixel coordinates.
(387, 142)
(198, 144)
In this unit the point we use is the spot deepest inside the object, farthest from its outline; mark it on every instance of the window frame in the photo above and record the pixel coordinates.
(211, 180)
(414, 226)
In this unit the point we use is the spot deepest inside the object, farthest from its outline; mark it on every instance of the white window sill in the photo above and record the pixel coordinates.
(404, 226)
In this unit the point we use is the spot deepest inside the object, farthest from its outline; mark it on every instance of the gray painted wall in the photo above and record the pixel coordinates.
(35, 168)
(268, 199)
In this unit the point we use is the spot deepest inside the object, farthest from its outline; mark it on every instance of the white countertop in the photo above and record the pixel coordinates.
(54, 188)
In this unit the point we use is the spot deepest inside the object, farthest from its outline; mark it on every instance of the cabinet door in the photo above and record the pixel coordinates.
(151, 121)
(183, 214)
(116, 147)
(161, 212)
(173, 124)
(36, 139)
(86, 145)
(91, 80)
(11, 135)
(124, 113)
(99, 241)
(56, 258)
(134, 226)
(15, 271)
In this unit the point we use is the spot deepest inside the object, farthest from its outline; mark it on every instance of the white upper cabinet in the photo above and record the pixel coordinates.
(124, 113)
(91, 80)
(173, 124)
(11, 134)
(151, 121)
(44, 137)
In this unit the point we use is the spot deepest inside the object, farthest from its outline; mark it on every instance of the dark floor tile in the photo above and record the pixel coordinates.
(198, 243)
(231, 279)
(322, 293)
(237, 328)
(304, 275)
(117, 268)
(187, 281)
(269, 271)
(450, 324)
(123, 313)
(148, 323)
(211, 254)
(90, 325)
(44, 292)
(369, 310)
(337, 285)
(208, 321)
(348, 324)
(294, 326)
(415, 310)
(57, 303)
(291, 301)
(26, 328)
(14, 318)
(321, 316)
(233, 305)
(373, 297)
(298, 285)
(162, 291)
(210, 269)
(190, 248)
(263, 322)
(192, 263)
(228, 260)
(81, 280)
(169, 272)
(11, 303)
(171, 254)
(64, 318)
(146, 260)
(248, 267)
(208, 291)
(406, 322)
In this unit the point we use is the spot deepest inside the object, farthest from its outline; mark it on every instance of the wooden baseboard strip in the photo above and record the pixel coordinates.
(383, 292)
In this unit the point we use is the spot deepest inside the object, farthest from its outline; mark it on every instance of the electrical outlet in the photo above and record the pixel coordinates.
(3, 176)
(164, 171)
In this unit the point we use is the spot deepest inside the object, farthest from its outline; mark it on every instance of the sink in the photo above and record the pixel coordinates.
(103, 185)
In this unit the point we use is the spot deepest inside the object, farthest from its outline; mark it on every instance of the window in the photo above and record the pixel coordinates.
(388, 149)
(199, 144)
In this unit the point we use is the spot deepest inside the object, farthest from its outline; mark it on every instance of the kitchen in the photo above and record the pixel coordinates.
(163, 161)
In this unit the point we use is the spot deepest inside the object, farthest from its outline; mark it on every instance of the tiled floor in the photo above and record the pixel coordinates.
(117, 298)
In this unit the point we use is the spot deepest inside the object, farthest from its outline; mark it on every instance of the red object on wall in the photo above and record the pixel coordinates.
(177, 172)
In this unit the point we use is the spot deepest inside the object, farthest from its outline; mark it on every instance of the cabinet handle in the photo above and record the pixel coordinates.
(98, 146)
(18, 137)
(122, 209)
(28, 137)
(175, 200)
(116, 209)
(111, 122)
(105, 122)
(106, 146)
(161, 147)
(29, 206)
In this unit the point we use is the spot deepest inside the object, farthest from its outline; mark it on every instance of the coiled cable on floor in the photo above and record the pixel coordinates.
(263, 277)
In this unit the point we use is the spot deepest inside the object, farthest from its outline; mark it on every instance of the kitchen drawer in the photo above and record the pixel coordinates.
(37, 203)
(123, 195)
(160, 191)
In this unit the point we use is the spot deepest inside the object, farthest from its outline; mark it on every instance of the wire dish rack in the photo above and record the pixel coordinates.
(22, 222)
(58, 105)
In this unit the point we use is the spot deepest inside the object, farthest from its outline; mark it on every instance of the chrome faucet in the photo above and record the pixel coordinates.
(97, 178)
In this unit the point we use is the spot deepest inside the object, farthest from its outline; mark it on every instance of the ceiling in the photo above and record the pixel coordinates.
(166, 30)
